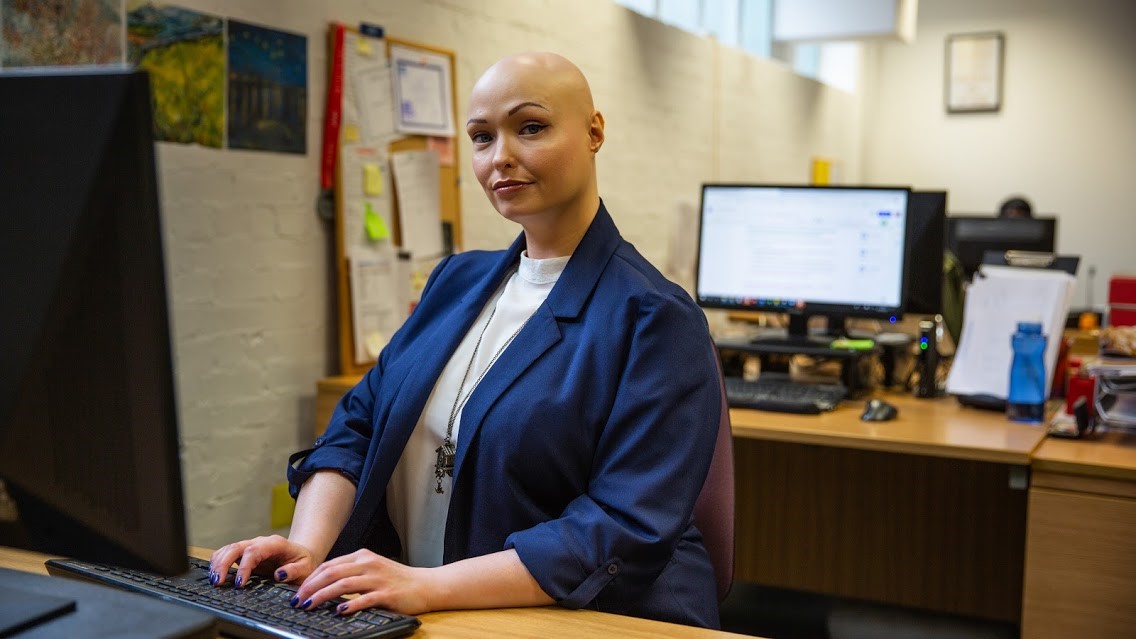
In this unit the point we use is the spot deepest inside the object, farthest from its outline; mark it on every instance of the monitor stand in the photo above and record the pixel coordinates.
(798, 339)
(80, 609)
(20, 611)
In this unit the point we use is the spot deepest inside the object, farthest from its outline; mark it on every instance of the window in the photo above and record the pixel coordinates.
(748, 25)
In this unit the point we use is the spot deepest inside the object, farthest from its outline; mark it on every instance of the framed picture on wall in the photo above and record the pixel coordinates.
(974, 72)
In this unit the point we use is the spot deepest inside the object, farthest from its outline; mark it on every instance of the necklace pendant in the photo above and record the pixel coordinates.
(444, 466)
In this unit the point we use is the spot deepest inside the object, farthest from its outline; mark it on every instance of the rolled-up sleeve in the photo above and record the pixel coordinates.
(649, 466)
(343, 446)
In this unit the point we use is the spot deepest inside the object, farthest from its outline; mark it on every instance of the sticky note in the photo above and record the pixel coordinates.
(363, 45)
(372, 179)
(374, 224)
(350, 133)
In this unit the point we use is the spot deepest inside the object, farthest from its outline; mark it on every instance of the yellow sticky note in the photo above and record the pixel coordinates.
(363, 45)
(372, 179)
(374, 224)
(350, 133)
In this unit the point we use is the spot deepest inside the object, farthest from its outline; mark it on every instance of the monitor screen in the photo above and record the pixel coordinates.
(89, 463)
(925, 237)
(969, 237)
(803, 250)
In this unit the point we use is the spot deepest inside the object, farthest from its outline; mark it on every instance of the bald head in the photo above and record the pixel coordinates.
(551, 79)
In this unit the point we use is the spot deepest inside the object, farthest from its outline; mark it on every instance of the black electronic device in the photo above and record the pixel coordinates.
(777, 393)
(877, 410)
(970, 237)
(88, 431)
(89, 463)
(926, 227)
(928, 360)
(835, 251)
(259, 609)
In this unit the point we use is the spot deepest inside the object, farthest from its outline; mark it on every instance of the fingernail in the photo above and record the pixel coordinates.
(295, 600)
(213, 578)
(237, 582)
(341, 608)
(281, 575)
(304, 606)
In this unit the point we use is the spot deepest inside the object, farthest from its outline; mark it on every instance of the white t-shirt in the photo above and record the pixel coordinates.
(417, 511)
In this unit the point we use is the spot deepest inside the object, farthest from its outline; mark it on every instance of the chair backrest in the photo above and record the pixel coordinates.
(714, 508)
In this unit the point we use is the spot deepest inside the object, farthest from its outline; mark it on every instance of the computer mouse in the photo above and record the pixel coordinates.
(877, 410)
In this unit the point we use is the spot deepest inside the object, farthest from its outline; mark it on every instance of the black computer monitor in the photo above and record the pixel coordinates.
(970, 236)
(926, 223)
(88, 430)
(836, 251)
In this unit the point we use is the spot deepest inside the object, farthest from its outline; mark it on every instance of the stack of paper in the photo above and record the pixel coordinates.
(996, 301)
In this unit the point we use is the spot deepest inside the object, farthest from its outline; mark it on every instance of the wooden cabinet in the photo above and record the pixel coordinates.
(329, 391)
(1080, 569)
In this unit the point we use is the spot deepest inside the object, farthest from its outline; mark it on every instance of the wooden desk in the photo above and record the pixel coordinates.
(1080, 571)
(490, 624)
(927, 510)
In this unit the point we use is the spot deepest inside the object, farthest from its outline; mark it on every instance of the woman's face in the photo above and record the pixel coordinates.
(534, 137)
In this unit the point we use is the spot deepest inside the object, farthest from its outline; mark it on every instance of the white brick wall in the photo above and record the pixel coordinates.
(248, 259)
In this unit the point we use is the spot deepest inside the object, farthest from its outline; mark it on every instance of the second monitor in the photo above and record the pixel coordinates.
(836, 251)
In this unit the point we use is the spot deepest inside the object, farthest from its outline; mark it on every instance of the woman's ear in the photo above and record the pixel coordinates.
(596, 132)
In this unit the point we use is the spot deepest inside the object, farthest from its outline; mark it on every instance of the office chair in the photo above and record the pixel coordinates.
(714, 508)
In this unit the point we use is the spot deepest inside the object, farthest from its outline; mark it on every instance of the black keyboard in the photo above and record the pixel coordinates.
(259, 610)
(783, 396)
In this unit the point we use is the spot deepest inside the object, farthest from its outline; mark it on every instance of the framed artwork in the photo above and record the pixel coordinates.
(974, 64)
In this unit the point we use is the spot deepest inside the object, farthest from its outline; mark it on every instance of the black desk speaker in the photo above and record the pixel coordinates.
(928, 363)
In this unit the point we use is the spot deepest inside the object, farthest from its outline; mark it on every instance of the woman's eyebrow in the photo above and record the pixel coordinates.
(525, 104)
(511, 112)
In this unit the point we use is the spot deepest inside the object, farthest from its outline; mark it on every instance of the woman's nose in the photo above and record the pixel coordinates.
(503, 153)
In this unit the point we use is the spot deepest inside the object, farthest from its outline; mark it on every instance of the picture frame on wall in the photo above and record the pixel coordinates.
(974, 67)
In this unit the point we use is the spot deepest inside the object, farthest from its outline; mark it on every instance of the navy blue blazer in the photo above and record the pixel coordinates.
(584, 447)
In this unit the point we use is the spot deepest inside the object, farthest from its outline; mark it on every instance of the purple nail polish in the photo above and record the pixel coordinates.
(342, 608)
(295, 600)
(237, 582)
(306, 604)
(281, 575)
(213, 579)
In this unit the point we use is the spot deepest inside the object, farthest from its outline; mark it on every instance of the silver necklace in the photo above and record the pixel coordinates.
(444, 466)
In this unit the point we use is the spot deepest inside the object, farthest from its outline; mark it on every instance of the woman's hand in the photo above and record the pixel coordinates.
(379, 582)
(285, 560)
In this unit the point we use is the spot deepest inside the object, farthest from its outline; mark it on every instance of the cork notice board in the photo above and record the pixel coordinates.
(377, 273)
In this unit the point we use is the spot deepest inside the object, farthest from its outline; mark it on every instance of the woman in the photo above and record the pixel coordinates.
(538, 430)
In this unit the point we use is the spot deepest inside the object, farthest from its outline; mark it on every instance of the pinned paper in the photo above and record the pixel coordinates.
(350, 133)
(372, 179)
(374, 224)
(374, 343)
(363, 46)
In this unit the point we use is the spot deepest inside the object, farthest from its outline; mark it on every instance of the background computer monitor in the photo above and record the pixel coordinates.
(88, 433)
(970, 236)
(836, 251)
(926, 220)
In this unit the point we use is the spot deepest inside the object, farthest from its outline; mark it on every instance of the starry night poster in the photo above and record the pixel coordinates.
(268, 89)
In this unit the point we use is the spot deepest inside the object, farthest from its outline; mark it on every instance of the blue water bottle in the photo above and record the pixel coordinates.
(1026, 402)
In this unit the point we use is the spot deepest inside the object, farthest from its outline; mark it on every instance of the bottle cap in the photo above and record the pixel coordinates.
(1033, 328)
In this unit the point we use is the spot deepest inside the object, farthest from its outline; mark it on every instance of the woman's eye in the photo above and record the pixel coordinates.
(480, 138)
(531, 129)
